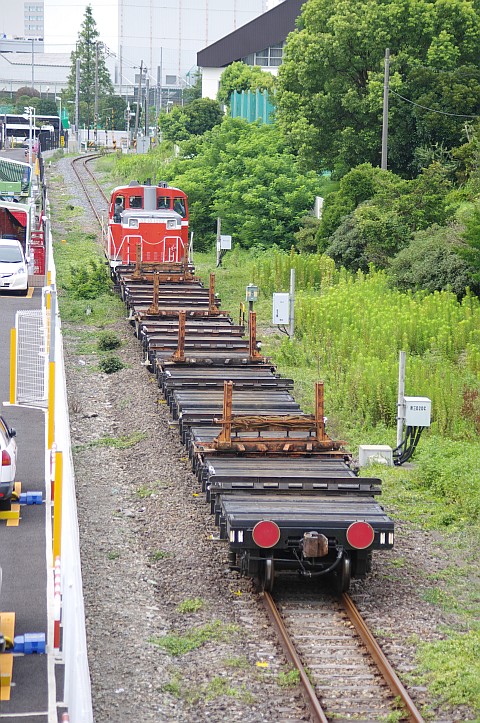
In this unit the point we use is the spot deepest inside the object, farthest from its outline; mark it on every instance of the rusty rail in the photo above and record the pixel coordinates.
(380, 659)
(312, 699)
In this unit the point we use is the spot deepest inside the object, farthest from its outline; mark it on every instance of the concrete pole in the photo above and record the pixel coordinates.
(292, 304)
(95, 110)
(139, 100)
(77, 97)
(401, 397)
(219, 230)
(386, 78)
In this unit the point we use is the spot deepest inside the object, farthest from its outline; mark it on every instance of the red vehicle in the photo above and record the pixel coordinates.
(156, 217)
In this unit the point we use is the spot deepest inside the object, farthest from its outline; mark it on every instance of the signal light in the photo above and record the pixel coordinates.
(266, 533)
(360, 535)
(6, 459)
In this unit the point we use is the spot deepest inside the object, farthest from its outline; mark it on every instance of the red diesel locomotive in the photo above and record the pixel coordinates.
(156, 217)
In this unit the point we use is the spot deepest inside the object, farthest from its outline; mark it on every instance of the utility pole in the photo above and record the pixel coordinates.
(386, 78)
(147, 92)
(77, 97)
(401, 396)
(95, 110)
(139, 100)
(33, 63)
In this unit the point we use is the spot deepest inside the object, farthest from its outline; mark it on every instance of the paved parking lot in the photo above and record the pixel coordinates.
(23, 548)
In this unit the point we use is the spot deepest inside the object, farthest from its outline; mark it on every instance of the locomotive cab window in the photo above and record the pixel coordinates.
(135, 202)
(118, 207)
(163, 202)
(179, 206)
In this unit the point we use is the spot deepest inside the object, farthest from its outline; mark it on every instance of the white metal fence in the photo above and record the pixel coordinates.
(32, 357)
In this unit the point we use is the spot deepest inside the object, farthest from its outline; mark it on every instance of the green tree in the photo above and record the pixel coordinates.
(111, 110)
(46, 106)
(470, 250)
(431, 262)
(194, 119)
(194, 90)
(86, 50)
(243, 173)
(240, 76)
(330, 85)
(202, 115)
(374, 214)
(172, 124)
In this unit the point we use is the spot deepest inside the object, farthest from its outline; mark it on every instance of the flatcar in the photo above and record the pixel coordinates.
(152, 219)
(285, 496)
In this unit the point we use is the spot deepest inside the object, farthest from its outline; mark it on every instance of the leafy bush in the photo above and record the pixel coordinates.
(431, 262)
(108, 340)
(89, 281)
(111, 364)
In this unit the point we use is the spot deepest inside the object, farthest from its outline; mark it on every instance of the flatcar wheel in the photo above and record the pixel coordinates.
(268, 574)
(343, 574)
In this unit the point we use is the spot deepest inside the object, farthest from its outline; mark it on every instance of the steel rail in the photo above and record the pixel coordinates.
(84, 186)
(292, 655)
(380, 659)
(93, 177)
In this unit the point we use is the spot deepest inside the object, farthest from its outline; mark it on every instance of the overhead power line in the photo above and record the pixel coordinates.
(433, 110)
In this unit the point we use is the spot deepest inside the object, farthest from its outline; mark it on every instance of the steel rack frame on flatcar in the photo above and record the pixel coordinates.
(284, 495)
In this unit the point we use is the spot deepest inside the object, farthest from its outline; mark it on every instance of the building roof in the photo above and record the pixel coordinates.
(40, 59)
(269, 29)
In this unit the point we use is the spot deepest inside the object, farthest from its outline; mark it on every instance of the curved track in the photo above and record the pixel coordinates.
(343, 671)
(94, 193)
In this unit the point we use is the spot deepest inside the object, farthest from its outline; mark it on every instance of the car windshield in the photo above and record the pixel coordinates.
(10, 254)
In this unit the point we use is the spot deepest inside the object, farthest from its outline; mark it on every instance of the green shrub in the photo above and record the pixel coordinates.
(108, 340)
(89, 281)
(111, 364)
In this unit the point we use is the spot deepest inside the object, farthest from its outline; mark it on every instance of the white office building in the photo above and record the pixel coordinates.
(22, 19)
(167, 34)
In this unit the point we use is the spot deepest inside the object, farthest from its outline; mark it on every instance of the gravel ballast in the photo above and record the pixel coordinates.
(150, 558)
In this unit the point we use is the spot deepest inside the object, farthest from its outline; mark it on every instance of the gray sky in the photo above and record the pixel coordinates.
(63, 19)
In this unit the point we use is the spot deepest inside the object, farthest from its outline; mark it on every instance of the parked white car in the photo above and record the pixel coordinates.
(13, 266)
(8, 468)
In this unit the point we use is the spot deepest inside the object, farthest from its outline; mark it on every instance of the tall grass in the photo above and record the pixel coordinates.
(349, 329)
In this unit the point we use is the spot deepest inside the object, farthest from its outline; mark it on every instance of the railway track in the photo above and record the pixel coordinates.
(343, 671)
(180, 326)
(96, 197)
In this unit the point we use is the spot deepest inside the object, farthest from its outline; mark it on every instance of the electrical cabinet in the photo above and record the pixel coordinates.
(417, 411)
(281, 309)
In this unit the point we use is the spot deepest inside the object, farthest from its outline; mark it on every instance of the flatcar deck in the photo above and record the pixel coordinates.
(283, 493)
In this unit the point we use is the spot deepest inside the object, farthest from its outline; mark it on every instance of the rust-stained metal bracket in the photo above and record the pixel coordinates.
(137, 274)
(153, 308)
(179, 354)
(252, 327)
(316, 441)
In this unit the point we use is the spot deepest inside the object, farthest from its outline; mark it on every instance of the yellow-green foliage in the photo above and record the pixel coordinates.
(352, 329)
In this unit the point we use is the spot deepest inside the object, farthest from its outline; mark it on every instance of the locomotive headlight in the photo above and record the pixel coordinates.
(171, 223)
